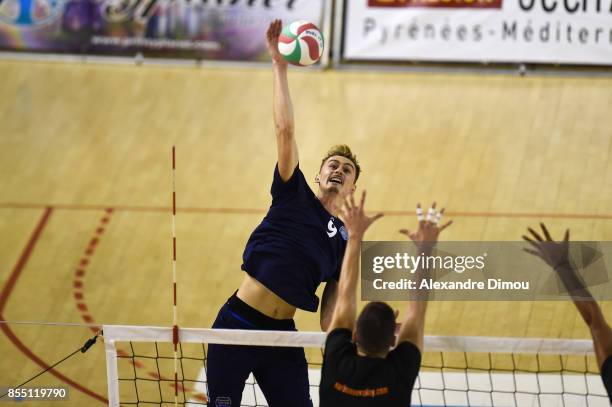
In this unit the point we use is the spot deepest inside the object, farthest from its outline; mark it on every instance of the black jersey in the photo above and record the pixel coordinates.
(348, 379)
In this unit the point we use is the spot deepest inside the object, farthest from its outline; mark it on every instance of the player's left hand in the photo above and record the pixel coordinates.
(354, 217)
(429, 229)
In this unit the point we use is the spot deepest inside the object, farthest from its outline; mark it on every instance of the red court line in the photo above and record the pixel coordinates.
(132, 208)
(251, 211)
(81, 270)
(6, 292)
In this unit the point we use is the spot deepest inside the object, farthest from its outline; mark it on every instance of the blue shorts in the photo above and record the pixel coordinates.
(281, 372)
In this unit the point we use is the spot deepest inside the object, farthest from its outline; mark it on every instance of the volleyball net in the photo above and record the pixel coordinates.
(455, 371)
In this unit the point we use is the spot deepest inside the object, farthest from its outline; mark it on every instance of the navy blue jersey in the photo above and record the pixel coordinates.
(297, 245)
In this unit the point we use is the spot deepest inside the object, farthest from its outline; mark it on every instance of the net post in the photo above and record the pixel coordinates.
(112, 375)
(175, 330)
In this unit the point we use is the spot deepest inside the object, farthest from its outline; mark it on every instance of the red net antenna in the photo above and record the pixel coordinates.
(175, 331)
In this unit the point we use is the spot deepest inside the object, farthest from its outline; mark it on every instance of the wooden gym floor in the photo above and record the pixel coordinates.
(86, 184)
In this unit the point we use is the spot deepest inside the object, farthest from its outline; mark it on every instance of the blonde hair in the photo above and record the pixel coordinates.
(344, 151)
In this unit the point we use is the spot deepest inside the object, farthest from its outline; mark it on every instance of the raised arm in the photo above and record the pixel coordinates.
(413, 326)
(287, 152)
(356, 222)
(556, 255)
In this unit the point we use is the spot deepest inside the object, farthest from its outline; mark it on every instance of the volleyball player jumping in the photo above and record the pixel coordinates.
(299, 244)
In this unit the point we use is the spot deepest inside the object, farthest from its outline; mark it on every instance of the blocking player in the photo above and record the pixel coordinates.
(358, 367)
(556, 255)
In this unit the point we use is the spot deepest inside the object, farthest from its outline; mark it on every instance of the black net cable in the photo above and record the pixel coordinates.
(84, 348)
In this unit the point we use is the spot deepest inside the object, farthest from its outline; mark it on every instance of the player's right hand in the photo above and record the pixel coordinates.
(556, 255)
(272, 35)
(354, 217)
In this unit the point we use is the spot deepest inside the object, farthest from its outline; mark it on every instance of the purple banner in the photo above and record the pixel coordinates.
(226, 30)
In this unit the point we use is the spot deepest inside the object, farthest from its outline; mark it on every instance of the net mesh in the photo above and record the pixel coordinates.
(455, 371)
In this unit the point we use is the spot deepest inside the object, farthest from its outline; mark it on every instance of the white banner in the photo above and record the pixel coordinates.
(512, 31)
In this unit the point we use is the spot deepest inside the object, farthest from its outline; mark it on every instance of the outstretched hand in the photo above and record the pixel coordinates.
(429, 228)
(274, 30)
(554, 254)
(354, 217)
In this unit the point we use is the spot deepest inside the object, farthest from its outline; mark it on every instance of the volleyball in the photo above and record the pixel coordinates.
(301, 43)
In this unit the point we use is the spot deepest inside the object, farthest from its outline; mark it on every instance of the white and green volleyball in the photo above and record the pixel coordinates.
(301, 43)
